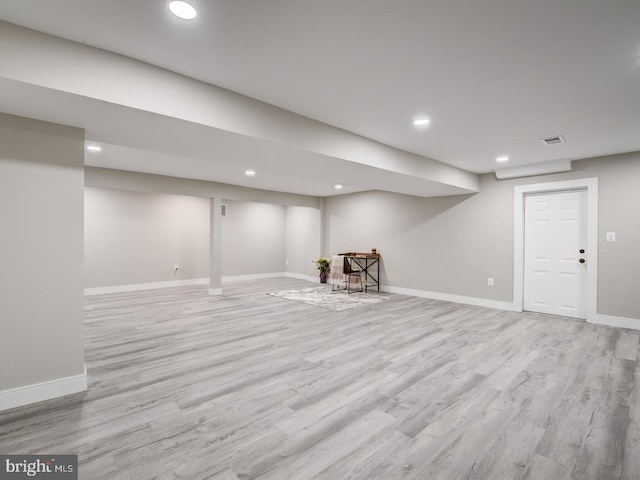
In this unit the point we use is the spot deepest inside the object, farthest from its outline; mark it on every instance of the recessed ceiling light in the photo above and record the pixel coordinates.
(250, 173)
(502, 159)
(338, 186)
(94, 148)
(421, 122)
(183, 10)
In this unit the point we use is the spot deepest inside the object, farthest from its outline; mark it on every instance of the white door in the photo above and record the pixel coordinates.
(555, 253)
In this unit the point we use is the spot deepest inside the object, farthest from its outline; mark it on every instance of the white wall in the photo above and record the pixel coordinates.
(438, 244)
(133, 238)
(136, 238)
(619, 211)
(302, 240)
(253, 238)
(451, 245)
(251, 210)
(41, 306)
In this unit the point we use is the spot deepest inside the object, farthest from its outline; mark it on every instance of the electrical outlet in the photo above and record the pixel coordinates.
(611, 236)
(490, 282)
(176, 268)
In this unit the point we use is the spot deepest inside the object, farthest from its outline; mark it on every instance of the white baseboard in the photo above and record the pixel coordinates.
(301, 276)
(145, 286)
(194, 281)
(215, 292)
(480, 302)
(614, 321)
(18, 397)
(258, 276)
(610, 320)
(255, 276)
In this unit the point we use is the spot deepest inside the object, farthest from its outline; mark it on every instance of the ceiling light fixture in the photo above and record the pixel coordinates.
(183, 10)
(421, 122)
(502, 159)
(338, 186)
(250, 173)
(94, 148)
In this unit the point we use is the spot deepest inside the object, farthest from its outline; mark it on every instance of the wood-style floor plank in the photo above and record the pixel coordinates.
(251, 386)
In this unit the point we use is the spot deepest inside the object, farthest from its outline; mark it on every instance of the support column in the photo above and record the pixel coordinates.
(324, 232)
(215, 247)
(41, 301)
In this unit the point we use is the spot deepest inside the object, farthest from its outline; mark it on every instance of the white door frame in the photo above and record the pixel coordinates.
(591, 185)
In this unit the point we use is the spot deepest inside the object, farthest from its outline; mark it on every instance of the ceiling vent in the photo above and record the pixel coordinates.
(553, 140)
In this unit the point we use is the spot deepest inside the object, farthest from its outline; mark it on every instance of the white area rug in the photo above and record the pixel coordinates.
(325, 298)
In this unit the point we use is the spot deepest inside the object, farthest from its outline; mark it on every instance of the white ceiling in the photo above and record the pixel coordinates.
(493, 76)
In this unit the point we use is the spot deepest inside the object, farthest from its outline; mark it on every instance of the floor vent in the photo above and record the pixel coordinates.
(553, 140)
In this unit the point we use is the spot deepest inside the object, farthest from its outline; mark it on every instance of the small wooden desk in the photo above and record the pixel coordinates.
(365, 261)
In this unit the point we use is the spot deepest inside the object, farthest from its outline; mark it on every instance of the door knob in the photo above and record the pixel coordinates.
(582, 260)
(582, 250)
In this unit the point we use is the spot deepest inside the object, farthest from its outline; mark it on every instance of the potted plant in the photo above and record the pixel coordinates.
(324, 265)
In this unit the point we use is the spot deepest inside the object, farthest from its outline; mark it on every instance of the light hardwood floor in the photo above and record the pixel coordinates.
(249, 386)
